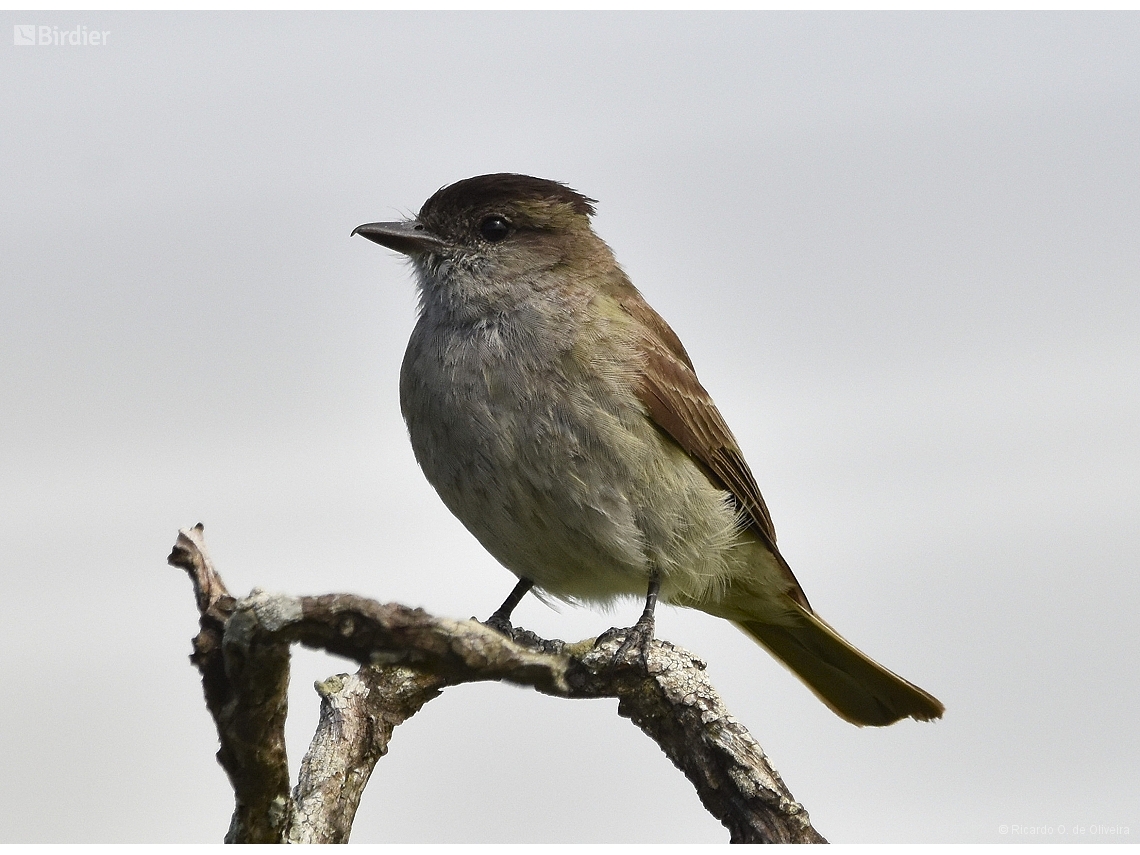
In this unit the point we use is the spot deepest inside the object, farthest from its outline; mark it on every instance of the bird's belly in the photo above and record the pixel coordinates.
(567, 484)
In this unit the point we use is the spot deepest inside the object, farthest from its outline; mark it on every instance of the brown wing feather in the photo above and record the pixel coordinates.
(680, 406)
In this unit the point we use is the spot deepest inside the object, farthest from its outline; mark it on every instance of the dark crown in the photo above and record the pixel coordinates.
(487, 191)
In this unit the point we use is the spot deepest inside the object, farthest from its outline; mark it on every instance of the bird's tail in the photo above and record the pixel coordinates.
(855, 686)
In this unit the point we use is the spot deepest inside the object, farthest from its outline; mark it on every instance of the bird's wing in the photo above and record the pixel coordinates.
(681, 407)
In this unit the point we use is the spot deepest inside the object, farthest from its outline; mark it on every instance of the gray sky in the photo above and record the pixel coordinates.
(902, 250)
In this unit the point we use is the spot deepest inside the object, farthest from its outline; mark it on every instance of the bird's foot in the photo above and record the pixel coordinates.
(524, 637)
(636, 639)
(500, 623)
(501, 619)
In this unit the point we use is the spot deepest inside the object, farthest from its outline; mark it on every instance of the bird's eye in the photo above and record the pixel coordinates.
(494, 228)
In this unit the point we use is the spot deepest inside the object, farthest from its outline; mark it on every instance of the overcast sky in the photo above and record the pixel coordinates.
(903, 251)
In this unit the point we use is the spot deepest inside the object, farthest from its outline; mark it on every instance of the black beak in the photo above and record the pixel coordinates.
(410, 238)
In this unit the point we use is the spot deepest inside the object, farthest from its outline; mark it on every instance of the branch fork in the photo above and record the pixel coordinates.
(407, 657)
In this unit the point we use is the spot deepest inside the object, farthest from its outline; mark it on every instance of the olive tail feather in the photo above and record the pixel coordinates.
(856, 687)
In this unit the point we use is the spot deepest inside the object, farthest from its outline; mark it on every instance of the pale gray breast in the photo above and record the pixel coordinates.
(524, 447)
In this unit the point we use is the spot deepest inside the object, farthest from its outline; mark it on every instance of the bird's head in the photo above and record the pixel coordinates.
(493, 236)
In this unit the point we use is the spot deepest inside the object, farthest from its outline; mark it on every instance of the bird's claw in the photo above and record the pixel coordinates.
(500, 624)
(637, 638)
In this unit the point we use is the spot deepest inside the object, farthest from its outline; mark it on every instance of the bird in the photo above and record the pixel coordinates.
(560, 419)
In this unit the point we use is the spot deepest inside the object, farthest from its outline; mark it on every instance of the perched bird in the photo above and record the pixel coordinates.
(561, 420)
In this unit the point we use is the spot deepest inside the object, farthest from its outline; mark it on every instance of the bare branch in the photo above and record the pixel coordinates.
(671, 699)
(245, 677)
(358, 714)
(408, 657)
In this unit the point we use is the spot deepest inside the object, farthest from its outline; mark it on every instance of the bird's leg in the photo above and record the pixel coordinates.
(501, 619)
(640, 635)
(646, 618)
